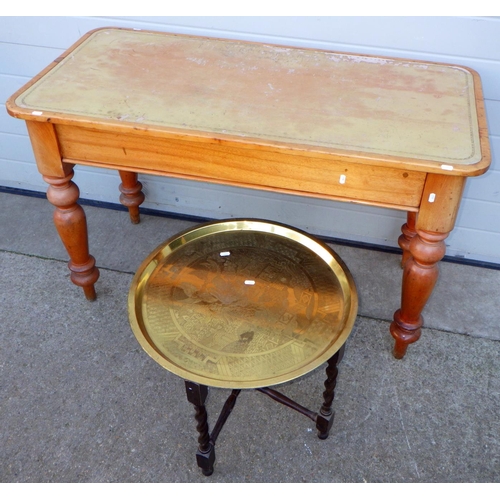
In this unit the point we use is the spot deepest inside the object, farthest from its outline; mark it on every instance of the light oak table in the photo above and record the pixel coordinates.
(394, 133)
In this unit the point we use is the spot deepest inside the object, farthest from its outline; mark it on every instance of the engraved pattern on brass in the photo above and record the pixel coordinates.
(241, 308)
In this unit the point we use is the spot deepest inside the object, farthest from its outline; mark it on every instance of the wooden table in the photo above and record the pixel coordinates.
(380, 131)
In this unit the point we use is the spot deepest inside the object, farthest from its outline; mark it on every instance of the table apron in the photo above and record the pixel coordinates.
(269, 168)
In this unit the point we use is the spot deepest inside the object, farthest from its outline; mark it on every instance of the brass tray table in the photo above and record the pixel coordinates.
(243, 304)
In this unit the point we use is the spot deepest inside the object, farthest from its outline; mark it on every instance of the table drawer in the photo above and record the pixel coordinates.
(243, 164)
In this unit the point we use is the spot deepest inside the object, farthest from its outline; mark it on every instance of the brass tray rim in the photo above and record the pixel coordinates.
(241, 224)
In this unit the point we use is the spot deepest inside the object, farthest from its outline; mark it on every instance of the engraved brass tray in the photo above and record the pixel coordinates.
(242, 304)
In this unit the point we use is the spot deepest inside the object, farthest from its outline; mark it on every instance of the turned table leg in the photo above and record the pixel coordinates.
(324, 420)
(131, 194)
(205, 456)
(408, 232)
(419, 277)
(423, 247)
(71, 224)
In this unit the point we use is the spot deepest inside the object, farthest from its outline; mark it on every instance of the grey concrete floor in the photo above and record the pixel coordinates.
(81, 402)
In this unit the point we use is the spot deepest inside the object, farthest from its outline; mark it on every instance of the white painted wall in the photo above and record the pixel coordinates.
(28, 44)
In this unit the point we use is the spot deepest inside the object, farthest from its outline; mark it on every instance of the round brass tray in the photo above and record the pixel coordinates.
(242, 304)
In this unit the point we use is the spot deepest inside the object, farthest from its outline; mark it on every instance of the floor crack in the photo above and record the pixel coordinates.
(405, 433)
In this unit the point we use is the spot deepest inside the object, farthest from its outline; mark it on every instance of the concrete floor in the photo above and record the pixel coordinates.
(81, 402)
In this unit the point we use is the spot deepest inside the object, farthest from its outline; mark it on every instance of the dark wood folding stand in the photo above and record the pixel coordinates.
(197, 395)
